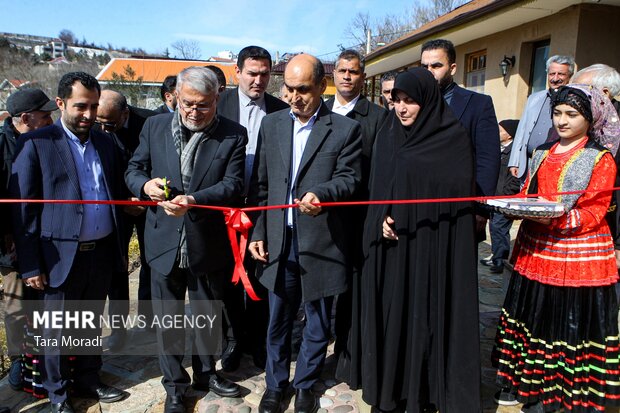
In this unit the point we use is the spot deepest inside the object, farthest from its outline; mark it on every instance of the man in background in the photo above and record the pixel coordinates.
(166, 92)
(29, 110)
(536, 127)
(476, 113)
(387, 83)
(248, 104)
(124, 123)
(349, 77)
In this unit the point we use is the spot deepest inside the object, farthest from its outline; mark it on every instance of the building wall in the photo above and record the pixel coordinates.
(510, 94)
(599, 32)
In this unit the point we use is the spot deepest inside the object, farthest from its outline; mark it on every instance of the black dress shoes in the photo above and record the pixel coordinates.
(270, 402)
(218, 385)
(62, 407)
(305, 401)
(174, 404)
(231, 357)
(497, 268)
(101, 392)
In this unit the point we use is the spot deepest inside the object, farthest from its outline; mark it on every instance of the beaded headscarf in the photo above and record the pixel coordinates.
(598, 110)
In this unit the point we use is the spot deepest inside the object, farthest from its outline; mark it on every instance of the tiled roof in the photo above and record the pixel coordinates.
(17, 83)
(154, 71)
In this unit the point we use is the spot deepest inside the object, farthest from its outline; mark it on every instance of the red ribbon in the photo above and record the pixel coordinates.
(238, 222)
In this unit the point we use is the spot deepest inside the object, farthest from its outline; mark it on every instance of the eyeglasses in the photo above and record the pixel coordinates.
(106, 126)
(198, 107)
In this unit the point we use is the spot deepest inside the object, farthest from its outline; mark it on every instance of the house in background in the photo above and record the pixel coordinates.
(515, 36)
(149, 74)
(8, 86)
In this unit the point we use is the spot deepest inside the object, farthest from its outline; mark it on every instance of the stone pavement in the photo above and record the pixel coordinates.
(140, 375)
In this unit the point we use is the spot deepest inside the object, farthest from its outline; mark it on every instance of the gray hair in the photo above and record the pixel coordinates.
(562, 60)
(603, 77)
(198, 78)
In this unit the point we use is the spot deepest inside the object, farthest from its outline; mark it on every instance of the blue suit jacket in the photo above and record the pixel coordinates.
(47, 235)
(476, 113)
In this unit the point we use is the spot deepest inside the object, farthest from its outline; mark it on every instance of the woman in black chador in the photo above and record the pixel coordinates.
(419, 308)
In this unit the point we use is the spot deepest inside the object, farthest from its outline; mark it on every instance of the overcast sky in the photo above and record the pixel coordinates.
(311, 26)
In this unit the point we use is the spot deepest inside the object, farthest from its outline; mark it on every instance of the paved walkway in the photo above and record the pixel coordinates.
(140, 375)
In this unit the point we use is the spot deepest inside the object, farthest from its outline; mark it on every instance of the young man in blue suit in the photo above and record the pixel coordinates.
(69, 251)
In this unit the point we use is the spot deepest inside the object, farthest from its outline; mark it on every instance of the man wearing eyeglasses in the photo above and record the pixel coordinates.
(124, 124)
(190, 157)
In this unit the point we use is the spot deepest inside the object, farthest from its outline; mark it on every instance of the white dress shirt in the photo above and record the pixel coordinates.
(301, 133)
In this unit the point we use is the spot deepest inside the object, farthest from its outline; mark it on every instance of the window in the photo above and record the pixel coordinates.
(538, 75)
(476, 69)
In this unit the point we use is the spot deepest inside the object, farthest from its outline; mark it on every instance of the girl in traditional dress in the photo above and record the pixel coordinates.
(557, 337)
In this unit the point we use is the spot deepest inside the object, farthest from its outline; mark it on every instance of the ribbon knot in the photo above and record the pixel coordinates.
(237, 222)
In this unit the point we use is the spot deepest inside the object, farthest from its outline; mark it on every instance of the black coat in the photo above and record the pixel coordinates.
(370, 118)
(329, 168)
(8, 140)
(162, 109)
(476, 113)
(419, 308)
(506, 183)
(217, 179)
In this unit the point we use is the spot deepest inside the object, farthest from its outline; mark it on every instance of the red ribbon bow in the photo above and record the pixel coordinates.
(238, 222)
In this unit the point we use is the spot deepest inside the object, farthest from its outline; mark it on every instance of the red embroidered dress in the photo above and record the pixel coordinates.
(577, 248)
(557, 336)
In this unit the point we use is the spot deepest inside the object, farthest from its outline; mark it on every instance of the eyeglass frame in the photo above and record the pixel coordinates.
(196, 107)
(105, 125)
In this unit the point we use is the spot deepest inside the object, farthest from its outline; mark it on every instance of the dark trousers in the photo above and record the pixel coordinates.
(284, 302)
(88, 280)
(172, 287)
(119, 287)
(499, 227)
(248, 318)
(14, 319)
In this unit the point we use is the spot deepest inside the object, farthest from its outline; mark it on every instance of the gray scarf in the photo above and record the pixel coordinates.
(187, 143)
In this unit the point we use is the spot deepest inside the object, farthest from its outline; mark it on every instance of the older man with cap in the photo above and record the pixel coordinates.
(29, 109)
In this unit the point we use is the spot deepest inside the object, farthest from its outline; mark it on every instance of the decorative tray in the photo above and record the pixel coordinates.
(526, 207)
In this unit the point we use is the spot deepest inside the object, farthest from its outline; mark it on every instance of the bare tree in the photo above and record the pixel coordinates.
(423, 14)
(186, 49)
(384, 30)
(67, 36)
(392, 26)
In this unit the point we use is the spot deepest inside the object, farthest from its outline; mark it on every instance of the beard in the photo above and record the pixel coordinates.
(196, 125)
(73, 124)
